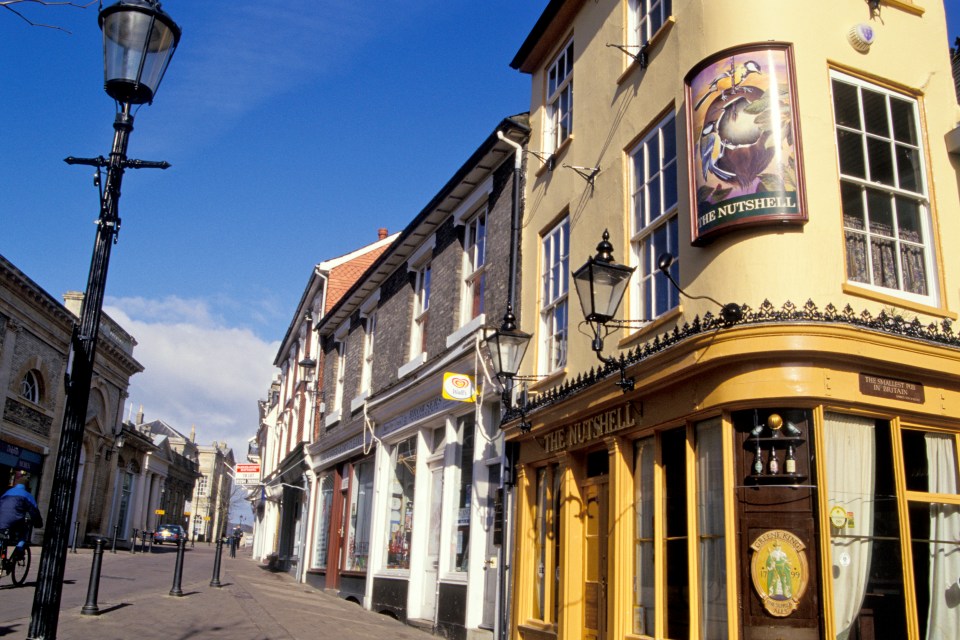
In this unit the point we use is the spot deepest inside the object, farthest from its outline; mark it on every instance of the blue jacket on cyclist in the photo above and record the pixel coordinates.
(17, 507)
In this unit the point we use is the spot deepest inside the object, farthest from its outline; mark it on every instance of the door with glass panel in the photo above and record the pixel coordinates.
(431, 566)
(595, 559)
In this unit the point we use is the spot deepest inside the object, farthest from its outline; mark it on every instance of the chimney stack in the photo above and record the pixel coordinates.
(382, 233)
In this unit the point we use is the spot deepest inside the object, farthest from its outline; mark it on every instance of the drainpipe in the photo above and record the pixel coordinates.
(503, 608)
(515, 222)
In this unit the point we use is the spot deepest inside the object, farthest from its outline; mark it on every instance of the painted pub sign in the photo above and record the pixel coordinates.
(744, 141)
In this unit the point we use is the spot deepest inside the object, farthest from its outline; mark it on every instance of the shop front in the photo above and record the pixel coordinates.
(290, 488)
(432, 539)
(17, 459)
(792, 480)
(342, 517)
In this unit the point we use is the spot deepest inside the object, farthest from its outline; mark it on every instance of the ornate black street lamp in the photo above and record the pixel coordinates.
(507, 347)
(139, 40)
(601, 283)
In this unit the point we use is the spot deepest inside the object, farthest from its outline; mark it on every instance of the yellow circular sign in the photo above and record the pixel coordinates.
(838, 517)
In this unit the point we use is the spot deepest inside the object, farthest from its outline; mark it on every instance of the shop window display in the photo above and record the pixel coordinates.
(400, 520)
(361, 499)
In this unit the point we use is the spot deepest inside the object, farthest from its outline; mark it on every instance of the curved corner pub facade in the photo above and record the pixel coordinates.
(788, 471)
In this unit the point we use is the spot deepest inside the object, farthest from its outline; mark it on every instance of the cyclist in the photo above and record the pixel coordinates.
(18, 512)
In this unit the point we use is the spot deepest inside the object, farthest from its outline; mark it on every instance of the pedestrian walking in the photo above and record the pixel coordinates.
(235, 540)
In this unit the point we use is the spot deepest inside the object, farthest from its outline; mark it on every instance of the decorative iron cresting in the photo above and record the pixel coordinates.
(893, 324)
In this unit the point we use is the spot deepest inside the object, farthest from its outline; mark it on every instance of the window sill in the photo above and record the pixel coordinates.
(554, 158)
(357, 402)
(467, 329)
(538, 627)
(651, 327)
(332, 418)
(395, 574)
(897, 303)
(415, 363)
(906, 5)
(659, 36)
(549, 380)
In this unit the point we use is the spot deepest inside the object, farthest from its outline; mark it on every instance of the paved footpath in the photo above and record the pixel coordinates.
(252, 604)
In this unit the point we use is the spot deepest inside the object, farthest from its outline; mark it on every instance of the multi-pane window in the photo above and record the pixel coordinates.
(475, 248)
(202, 486)
(661, 495)
(30, 387)
(868, 500)
(358, 533)
(883, 190)
(400, 521)
(369, 339)
(646, 18)
(559, 122)
(421, 311)
(654, 219)
(553, 305)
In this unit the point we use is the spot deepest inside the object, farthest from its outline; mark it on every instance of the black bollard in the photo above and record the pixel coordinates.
(178, 569)
(216, 565)
(143, 541)
(76, 534)
(133, 541)
(113, 545)
(93, 587)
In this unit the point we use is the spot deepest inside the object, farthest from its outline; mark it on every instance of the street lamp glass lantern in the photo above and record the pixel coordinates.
(507, 346)
(601, 283)
(138, 42)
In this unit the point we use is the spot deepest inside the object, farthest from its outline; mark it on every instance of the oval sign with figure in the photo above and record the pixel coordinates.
(779, 571)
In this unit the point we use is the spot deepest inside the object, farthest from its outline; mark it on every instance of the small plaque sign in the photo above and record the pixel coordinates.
(881, 387)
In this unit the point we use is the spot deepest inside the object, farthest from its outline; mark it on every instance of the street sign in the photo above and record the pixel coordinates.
(160, 512)
(247, 474)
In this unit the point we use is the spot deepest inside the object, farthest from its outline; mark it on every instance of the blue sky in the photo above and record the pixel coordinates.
(295, 130)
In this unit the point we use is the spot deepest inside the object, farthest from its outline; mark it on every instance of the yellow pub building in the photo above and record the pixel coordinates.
(762, 441)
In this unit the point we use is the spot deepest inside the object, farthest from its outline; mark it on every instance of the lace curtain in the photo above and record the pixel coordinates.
(713, 557)
(851, 460)
(943, 618)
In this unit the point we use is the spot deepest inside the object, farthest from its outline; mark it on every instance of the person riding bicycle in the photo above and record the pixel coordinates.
(18, 512)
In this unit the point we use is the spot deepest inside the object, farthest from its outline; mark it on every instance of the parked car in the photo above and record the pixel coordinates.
(169, 533)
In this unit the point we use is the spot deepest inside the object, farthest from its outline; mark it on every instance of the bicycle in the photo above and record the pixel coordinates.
(14, 558)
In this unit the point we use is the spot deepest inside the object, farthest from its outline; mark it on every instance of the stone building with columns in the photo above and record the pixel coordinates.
(35, 332)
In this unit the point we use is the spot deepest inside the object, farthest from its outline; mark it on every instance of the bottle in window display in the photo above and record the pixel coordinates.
(790, 462)
(773, 466)
(757, 461)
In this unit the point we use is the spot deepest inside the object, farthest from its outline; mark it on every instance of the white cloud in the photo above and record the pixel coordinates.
(197, 370)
